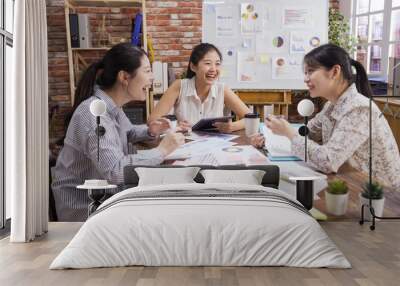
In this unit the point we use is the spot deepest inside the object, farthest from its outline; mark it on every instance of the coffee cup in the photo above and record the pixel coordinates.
(251, 123)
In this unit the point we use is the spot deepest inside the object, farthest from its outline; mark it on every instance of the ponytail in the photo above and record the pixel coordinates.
(361, 79)
(85, 88)
(121, 57)
(329, 55)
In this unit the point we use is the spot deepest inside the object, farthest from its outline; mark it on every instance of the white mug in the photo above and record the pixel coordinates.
(251, 123)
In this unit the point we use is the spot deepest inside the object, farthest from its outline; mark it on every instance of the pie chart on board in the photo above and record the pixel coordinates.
(277, 42)
(315, 42)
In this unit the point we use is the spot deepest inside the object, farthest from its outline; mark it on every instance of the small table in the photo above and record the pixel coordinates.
(96, 195)
(305, 194)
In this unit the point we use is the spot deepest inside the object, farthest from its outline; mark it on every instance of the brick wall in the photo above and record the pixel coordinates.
(174, 26)
(117, 22)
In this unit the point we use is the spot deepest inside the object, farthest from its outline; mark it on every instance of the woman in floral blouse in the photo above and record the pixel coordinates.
(340, 132)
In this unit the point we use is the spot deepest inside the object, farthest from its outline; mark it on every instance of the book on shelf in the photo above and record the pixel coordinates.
(80, 31)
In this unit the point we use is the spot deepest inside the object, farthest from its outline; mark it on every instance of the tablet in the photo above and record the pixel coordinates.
(207, 123)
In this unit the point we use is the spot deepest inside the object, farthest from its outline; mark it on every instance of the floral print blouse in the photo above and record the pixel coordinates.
(340, 133)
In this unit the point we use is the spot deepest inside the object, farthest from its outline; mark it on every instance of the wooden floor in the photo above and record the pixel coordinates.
(374, 255)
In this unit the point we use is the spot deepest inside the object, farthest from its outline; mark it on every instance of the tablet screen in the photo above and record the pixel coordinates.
(207, 123)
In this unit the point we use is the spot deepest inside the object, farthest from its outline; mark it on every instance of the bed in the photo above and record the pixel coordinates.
(201, 224)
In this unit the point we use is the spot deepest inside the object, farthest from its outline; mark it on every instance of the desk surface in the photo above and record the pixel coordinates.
(354, 179)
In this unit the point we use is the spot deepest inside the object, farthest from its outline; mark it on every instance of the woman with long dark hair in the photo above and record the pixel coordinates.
(121, 76)
(200, 95)
(340, 132)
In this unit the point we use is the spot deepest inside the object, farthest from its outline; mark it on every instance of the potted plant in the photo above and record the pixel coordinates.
(339, 31)
(336, 197)
(375, 192)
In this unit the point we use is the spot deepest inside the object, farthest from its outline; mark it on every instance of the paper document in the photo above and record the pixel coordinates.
(228, 155)
(240, 155)
(204, 159)
(278, 147)
(198, 135)
(198, 147)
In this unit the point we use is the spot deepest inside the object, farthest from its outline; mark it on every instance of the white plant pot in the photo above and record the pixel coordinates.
(336, 204)
(378, 206)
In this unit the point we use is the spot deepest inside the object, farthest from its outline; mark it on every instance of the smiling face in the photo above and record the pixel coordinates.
(320, 81)
(208, 68)
(143, 79)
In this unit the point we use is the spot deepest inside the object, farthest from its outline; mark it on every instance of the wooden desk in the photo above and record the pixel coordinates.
(280, 99)
(354, 179)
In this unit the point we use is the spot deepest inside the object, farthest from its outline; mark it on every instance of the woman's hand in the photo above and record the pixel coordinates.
(170, 142)
(159, 126)
(280, 126)
(184, 126)
(225, 127)
(257, 140)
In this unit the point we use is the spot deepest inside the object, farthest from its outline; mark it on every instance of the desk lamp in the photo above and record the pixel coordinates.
(98, 108)
(304, 185)
(305, 108)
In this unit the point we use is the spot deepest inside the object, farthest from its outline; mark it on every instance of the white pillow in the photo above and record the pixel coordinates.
(166, 176)
(248, 177)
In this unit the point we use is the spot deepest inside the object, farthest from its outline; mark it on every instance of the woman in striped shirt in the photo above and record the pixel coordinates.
(120, 77)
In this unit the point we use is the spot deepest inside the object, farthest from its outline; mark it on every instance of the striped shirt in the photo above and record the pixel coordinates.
(77, 160)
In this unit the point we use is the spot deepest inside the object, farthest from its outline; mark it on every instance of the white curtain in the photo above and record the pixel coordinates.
(27, 124)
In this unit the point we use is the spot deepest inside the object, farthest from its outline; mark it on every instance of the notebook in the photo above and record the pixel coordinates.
(278, 147)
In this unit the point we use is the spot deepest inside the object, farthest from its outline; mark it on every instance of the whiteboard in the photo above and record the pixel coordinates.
(263, 42)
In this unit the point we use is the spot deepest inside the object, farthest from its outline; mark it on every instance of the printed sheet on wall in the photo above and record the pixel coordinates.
(263, 42)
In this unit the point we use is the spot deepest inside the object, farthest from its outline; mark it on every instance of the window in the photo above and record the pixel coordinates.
(6, 45)
(376, 25)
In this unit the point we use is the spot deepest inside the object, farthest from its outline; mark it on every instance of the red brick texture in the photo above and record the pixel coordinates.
(173, 26)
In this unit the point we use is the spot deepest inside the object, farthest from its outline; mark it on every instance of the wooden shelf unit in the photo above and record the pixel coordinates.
(279, 99)
(105, 3)
(73, 53)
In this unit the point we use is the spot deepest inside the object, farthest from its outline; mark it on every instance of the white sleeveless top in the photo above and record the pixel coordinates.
(189, 106)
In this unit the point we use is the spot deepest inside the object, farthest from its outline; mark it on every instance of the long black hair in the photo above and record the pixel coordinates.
(329, 55)
(198, 54)
(121, 57)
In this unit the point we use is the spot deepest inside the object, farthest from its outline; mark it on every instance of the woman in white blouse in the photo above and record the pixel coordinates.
(340, 132)
(200, 94)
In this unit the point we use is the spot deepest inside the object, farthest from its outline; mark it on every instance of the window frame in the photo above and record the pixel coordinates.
(6, 39)
(385, 43)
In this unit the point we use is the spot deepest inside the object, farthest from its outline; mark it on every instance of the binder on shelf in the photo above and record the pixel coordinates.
(74, 28)
(165, 77)
(137, 26)
(158, 85)
(84, 31)
(160, 82)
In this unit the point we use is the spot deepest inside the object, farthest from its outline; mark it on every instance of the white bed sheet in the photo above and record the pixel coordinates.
(200, 231)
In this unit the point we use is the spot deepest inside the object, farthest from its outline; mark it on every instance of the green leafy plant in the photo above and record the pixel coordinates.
(373, 190)
(337, 187)
(339, 31)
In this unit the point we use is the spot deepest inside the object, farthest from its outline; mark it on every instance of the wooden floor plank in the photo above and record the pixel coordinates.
(375, 257)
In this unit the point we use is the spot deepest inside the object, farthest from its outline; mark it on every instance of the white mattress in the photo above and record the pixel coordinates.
(189, 231)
